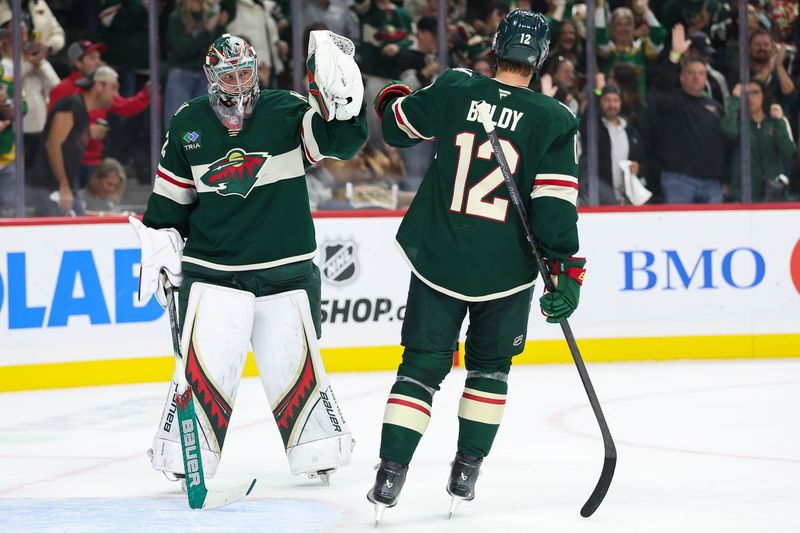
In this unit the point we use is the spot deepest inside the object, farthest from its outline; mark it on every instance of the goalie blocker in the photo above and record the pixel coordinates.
(220, 324)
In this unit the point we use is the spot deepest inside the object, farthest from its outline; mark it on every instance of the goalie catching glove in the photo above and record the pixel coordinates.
(335, 87)
(568, 277)
(390, 91)
(162, 249)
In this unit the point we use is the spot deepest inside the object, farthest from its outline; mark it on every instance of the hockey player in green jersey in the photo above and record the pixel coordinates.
(467, 249)
(231, 181)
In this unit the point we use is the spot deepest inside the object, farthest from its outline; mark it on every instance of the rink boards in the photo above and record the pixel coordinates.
(662, 283)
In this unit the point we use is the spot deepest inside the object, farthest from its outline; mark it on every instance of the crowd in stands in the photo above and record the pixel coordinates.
(667, 89)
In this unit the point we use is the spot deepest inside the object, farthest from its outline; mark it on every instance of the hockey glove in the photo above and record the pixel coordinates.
(390, 91)
(567, 276)
(335, 87)
(161, 249)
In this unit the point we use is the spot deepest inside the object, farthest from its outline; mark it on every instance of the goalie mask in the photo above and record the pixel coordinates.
(232, 70)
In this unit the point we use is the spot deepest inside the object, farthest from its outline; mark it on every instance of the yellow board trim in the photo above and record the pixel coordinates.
(143, 370)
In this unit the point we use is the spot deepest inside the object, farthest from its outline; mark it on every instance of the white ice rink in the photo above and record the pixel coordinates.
(703, 447)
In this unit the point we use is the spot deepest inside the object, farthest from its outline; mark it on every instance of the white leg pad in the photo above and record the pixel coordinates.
(284, 341)
(214, 345)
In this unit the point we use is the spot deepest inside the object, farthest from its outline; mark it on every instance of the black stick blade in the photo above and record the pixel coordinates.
(601, 488)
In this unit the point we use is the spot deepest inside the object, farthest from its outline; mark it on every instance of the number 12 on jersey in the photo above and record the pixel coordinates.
(477, 204)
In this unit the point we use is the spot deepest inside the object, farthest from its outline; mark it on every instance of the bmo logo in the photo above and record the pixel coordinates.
(738, 268)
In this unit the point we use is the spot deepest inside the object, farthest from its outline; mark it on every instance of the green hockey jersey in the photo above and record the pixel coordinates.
(241, 199)
(461, 235)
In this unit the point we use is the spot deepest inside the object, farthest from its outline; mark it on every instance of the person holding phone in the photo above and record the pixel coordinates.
(66, 136)
(85, 56)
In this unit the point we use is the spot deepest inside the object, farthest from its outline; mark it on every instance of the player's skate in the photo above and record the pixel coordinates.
(463, 475)
(389, 482)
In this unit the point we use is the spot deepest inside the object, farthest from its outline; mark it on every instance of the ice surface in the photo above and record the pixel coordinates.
(703, 447)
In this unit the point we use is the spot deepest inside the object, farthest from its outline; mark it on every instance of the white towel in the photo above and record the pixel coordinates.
(636, 192)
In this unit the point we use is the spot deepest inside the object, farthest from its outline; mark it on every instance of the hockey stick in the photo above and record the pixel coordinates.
(200, 497)
(610, 462)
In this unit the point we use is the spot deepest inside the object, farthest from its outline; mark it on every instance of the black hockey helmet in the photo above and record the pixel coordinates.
(522, 37)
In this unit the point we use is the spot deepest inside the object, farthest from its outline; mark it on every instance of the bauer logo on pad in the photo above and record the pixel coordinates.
(339, 263)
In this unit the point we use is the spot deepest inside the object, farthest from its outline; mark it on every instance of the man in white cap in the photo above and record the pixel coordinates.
(84, 57)
(65, 138)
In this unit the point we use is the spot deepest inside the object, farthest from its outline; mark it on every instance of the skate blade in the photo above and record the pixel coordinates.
(323, 475)
(379, 509)
(455, 501)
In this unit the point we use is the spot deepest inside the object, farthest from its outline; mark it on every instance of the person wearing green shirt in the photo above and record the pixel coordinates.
(623, 42)
(771, 143)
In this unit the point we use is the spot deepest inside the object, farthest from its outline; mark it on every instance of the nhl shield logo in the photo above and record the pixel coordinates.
(339, 265)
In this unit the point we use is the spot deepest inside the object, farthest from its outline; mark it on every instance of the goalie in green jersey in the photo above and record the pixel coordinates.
(466, 247)
(231, 182)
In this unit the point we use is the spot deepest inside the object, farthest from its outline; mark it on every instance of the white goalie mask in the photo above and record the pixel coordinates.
(231, 68)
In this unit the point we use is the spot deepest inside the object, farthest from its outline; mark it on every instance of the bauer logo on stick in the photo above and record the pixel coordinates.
(339, 262)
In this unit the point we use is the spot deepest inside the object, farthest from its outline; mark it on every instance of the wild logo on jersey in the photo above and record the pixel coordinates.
(236, 173)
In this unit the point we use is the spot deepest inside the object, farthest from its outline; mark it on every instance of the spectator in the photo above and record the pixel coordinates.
(191, 28)
(84, 57)
(622, 43)
(8, 178)
(497, 12)
(417, 66)
(617, 141)
(570, 45)
(770, 144)
(44, 27)
(468, 42)
(337, 15)
(554, 13)
(38, 79)
(66, 135)
(634, 110)
(693, 15)
(724, 34)
(562, 84)
(385, 30)
(124, 29)
(254, 20)
(483, 66)
(105, 189)
(767, 65)
(701, 48)
(784, 13)
(691, 146)
(626, 78)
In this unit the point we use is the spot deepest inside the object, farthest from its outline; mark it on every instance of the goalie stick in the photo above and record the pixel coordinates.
(200, 497)
(610, 462)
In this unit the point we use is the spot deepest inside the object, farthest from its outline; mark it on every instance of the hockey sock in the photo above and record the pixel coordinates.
(408, 411)
(479, 413)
